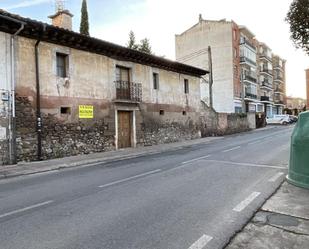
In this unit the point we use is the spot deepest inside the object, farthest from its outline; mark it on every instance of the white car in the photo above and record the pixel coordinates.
(283, 119)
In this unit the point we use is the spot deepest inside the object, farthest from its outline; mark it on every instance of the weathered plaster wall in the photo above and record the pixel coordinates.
(191, 48)
(5, 79)
(91, 82)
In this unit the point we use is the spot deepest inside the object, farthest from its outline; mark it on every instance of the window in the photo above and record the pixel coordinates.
(122, 74)
(155, 77)
(65, 110)
(61, 65)
(161, 112)
(184, 113)
(186, 86)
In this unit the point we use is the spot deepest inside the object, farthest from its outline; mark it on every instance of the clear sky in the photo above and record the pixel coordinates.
(160, 20)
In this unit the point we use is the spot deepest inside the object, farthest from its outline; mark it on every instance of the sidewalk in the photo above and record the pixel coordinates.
(27, 168)
(281, 223)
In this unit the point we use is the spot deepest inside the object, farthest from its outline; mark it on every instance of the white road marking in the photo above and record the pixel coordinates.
(275, 177)
(234, 148)
(130, 178)
(195, 159)
(26, 209)
(201, 242)
(255, 142)
(248, 164)
(246, 202)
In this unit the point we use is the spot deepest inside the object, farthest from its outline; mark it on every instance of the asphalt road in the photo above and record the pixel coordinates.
(192, 198)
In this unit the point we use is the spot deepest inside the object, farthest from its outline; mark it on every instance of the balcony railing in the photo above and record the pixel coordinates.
(250, 77)
(277, 66)
(244, 59)
(277, 77)
(264, 98)
(248, 43)
(279, 102)
(266, 70)
(128, 91)
(250, 95)
(279, 89)
(266, 56)
(266, 83)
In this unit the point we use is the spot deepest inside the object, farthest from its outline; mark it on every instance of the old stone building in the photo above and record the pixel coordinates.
(76, 94)
(65, 94)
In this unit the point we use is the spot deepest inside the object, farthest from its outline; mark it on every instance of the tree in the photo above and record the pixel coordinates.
(131, 43)
(298, 18)
(145, 46)
(84, 22)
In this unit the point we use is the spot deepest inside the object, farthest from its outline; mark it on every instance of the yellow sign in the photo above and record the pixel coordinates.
(85, 111)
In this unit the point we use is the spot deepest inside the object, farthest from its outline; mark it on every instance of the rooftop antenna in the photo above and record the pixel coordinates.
(59, 5)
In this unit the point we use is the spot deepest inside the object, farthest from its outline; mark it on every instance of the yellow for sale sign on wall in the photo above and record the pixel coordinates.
(85, 111)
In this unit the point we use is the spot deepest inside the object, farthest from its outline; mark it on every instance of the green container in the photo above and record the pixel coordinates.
(299, 156)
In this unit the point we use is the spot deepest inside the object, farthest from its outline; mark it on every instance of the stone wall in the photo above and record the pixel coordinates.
(173, 127)
(59, 138)
(237, 123)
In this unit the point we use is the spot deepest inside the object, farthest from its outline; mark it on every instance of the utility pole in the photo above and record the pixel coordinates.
(210, 77)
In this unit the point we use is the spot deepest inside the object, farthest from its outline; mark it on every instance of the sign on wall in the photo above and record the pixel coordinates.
(2, 133)
(85, 111)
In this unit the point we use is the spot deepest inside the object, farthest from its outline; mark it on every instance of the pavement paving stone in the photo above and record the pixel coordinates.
(256, 236)
(282, 222)
(290, 200)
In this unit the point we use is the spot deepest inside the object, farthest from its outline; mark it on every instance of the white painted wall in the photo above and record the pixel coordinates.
(5, 62)
(191, 48)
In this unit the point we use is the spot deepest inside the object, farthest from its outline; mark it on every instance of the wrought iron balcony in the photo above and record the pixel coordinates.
(264, 98)
(128, 91)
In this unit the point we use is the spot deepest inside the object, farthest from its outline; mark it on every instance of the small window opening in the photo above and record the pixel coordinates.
(65, 110)
(161, 112)
(155, 81)
(186, 86)
(62, 63)
(184, 113)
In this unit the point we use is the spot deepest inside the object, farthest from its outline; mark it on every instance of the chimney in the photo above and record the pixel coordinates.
(200, 18)
(307, 85)
(62, 19)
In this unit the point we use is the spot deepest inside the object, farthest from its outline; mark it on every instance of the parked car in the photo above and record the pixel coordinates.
(283, 119)
(293, 118)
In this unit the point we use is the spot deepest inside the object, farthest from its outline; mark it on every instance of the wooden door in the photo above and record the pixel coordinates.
(124, 129)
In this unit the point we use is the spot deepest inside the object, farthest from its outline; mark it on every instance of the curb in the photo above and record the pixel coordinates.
(254, 213)
(95, 162)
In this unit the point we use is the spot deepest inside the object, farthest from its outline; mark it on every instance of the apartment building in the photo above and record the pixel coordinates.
(247, 77)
